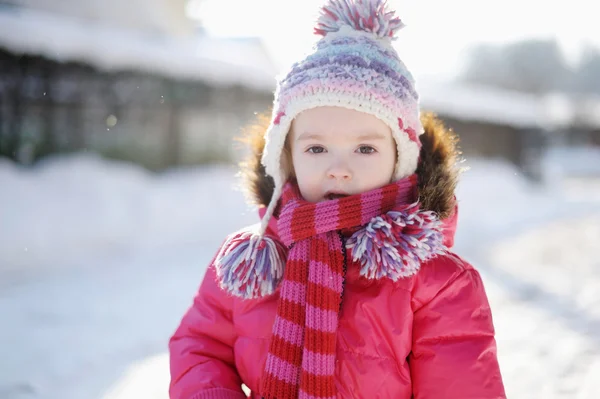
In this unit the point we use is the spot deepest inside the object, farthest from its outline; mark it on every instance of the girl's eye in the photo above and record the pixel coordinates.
(366, 149)
(316, 150)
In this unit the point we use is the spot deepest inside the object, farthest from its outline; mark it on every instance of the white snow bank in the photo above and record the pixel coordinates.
(573, 161)
(72, 207)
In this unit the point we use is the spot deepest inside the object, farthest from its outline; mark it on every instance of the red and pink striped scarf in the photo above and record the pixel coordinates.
(301, 356)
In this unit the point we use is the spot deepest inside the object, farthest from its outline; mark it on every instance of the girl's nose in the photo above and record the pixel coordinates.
(339, 171)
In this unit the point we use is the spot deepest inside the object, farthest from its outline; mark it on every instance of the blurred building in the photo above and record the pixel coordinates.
(585, 128)
(132, 80)
(164, 17)
(511, 126)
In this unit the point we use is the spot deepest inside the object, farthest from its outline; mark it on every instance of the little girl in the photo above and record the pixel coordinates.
(348, 287)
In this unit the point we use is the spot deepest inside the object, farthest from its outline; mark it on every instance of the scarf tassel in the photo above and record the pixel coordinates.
(395, 244)
(250, 266)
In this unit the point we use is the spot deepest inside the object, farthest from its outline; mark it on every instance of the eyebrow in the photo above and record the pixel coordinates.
(363, 137)
(309, 136)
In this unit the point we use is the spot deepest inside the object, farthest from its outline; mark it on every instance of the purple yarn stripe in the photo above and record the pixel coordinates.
(396, 79)
(355, 56)
(361, 45)
(365, 78)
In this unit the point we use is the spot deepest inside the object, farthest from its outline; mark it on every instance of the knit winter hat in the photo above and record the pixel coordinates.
(354, 66)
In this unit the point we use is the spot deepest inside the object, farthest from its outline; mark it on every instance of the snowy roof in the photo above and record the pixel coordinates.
(221, 61)
(491, 105)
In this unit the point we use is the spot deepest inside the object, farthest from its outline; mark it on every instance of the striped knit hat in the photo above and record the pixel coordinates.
(354, 66)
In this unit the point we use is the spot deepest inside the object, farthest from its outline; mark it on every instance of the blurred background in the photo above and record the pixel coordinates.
(118, 179)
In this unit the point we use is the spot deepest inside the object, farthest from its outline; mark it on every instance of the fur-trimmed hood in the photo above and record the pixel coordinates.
(251, 264)
(437, 170)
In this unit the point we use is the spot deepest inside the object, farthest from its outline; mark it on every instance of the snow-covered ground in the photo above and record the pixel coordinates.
(99, 260)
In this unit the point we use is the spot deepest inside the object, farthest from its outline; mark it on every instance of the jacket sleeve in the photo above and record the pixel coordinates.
(454, 349)
(201, 349)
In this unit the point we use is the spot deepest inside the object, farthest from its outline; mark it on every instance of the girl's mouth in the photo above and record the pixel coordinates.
(333, 196)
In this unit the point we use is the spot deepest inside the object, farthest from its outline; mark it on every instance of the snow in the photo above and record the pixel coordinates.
(573, 161)
(114, 48)
(66, 208)
(99, 260)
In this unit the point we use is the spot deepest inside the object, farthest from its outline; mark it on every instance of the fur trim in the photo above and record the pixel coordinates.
(437, 169)
(257, 186)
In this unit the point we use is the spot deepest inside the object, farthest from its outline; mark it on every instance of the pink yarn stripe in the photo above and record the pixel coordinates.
(334, 245)
(333, 283)
(282, 370)
(293, 291)
(325, 211)
(284, 224)
(315, 85)
(371, 208)
(295, 333)
(366, 213)
(299, 252)
(406, 192)
(320, 319)
(312, 363)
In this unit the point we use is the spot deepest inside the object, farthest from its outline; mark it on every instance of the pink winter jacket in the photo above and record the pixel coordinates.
(429, 336)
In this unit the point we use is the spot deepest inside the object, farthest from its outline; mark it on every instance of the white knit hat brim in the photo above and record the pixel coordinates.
(408, 150)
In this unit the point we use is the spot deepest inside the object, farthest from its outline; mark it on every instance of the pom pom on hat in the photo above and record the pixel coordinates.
(370, 16)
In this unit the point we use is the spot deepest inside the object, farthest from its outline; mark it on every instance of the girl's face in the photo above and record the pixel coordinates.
(338, 151)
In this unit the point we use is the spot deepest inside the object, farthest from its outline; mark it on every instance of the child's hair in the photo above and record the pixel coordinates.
(256, 184)
(287, 163)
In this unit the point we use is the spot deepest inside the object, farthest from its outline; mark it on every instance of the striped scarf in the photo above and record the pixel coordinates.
(301, 358)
